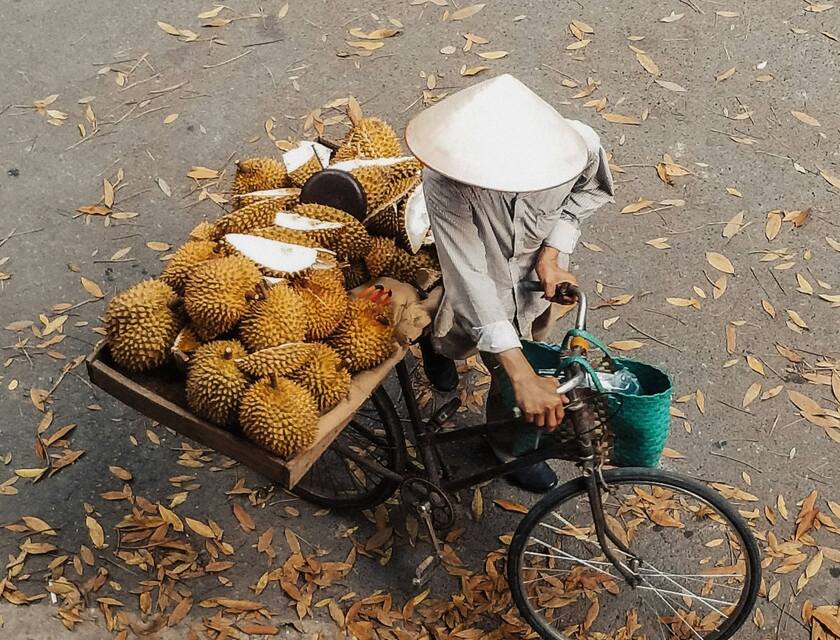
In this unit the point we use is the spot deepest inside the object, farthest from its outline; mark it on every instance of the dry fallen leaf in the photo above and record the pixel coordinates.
(465, 12)
(804, 117)
(626, 345)
(92, 288)
(509, 505)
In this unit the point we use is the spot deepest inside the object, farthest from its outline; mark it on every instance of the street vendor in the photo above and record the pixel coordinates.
(507, 181)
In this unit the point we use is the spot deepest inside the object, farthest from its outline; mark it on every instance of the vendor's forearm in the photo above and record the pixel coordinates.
(516, 365)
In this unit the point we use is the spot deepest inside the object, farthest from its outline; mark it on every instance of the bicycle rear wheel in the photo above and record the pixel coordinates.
(337, 482)
(698, 562)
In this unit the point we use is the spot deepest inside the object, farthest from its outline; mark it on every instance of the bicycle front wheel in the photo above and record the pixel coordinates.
(697, 562)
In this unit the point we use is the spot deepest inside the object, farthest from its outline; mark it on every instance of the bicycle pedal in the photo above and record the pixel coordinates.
(425, 570)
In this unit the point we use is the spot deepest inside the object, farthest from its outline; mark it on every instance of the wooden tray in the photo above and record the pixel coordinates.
(160, 395)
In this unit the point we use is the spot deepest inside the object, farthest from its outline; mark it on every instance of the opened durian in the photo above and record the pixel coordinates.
(275, 257)
(254, 216)
(141, 325)
(215, 384)
(280, 361)
(276, 317)
(369, 138)
(324, 376)
(305, 160)
(324, 300)
(408, 222)
(184, 260)
(259, 174)
(365, 336)
(280, 416)
(216, 294)
(288, 196)
(384, 181)
(349, 242)
(295, 228)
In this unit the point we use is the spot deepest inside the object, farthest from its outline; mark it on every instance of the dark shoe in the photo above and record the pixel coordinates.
(538, 478)
(440, 370)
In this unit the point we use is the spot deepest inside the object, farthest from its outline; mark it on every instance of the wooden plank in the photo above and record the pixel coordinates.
(180, 419)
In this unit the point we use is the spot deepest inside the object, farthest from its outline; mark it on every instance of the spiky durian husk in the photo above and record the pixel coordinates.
(279, 416)
(385, 184)
(202, 231)
(215, 384)
(301, 174)
(259, 174)
(184, 260)
(325, 303)
(350, 241)
(287, 201)
(387, 259)
(370, 138)
(355, 274)
(324, 377)
(365, 336)
(141, 325)
(281, 234)
(281, 360)
(254, 216)
(216, 293)
(274, 318)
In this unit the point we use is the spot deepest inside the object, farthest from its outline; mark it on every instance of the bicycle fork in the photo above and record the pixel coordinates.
(582, 419)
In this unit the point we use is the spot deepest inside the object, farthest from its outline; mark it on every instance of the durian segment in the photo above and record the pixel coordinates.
(401, 167)
(184, 260)
(280, 416)
(254, 216)
(202, 231)
(141, 325)
(186, 342)
(324, 376)
(408, 222)
(276, 317)
(215, 384)
(369, 138)
(382, 188)
(288, 236)
(274, 255)
(280, 361)
(365, 336)
(305, 160)
(355, 274)
(349, 242)
(387, 259)
(258, 174)
(216, 293)
(288, 196)
(298, 222)
(324, 300)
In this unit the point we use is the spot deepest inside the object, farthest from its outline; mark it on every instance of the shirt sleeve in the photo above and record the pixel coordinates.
(468, 286)
(592, 190)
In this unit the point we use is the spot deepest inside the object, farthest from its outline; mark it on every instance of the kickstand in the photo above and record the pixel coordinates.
(425, 569)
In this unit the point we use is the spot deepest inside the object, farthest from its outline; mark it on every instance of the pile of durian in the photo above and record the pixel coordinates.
(257, 303)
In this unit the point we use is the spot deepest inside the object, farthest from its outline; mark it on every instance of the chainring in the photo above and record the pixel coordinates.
(415, 492)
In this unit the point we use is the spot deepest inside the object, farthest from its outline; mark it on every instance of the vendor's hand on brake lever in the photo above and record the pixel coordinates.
(539, 401)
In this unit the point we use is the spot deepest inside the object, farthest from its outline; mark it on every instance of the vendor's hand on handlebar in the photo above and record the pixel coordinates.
(552, 277)
(539, 401)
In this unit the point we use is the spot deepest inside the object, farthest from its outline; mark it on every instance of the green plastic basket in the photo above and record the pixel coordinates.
(639, 424)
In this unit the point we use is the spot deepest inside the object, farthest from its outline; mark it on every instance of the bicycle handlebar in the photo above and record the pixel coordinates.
(565, 291)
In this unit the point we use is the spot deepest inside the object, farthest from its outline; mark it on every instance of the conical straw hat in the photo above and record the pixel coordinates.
(500, 135)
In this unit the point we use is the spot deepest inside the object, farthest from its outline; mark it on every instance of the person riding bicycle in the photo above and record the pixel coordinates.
(507, 181)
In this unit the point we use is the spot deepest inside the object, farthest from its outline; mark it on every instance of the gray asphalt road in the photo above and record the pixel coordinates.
(737, 98)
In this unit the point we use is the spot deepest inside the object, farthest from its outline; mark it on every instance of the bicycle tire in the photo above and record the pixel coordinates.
(577, 487)
(391, 452)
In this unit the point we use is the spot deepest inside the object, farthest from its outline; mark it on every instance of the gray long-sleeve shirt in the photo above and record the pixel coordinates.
(488, 242)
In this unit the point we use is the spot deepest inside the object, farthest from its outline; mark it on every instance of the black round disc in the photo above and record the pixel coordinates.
(337, 189)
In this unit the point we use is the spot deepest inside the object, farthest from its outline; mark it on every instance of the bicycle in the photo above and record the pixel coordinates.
(615, 553)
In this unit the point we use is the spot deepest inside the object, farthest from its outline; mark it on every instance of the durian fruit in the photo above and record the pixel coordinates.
(215, 384)
(295, 228)
(384, 185)
(280, 361)
(387, 259)
(202, 231)
(281, 234)
(305, 160)
(350, 241)
(141, 324)
(369, 138)
(186, 343)
(184, 260)
(216, 294)
(259, 174)
(355, 274)
(254, 216)
(288, 196)
(324, 300)
(324, 376)
(407, 222)
(274, 257)
(275, 317)
(365, 336)
(280, 416)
